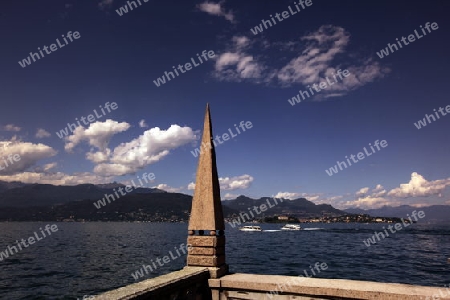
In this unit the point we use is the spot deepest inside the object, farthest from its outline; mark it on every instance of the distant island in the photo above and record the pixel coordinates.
(349, 218)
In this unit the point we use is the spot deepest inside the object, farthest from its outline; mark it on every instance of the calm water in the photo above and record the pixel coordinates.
(89, 258)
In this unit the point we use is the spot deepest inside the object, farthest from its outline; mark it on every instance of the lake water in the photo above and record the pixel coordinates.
(89, 258)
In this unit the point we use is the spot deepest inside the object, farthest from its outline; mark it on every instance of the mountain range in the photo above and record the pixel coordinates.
(17, 194)
(298, 207)
(45, 202)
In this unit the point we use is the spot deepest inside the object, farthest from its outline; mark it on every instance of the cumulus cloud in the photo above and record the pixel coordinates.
(237, 182)
(98, 134)
(311, 197)
(167, 188)
(229, 196)
(322, 199)
(150, 147)
(127, 158)
(317, 198)
(367, 198)
(143, 124)
(411, 193)
(292, 196)
(378, 188)
(191, 186)
(369, 201)
(99, 156)
(418, 186)
(362, 191)
(29, 154)
(287, 195)
(42, 133)
(334, 198)
(216, 9)
(231, 183)
(378, 191)
(10, 127)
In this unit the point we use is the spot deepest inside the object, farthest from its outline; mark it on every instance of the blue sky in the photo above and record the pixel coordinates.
(251, 78)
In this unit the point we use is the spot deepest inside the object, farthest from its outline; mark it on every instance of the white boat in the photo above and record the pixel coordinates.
(250, 228)
(291, 227)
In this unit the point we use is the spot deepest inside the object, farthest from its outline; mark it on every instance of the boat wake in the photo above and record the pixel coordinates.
(313, 228)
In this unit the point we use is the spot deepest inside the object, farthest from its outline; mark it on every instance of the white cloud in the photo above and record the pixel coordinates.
(236, 64)
(227, 59)
(10, 127)
(315, 64)
(411, 193)
(230, 183)
(104, 4)
(99, 156)
(419, 205)
(370, 201)
(292, 196)
(98, 134)
(237, 182)
(127, 158)
(191, 186)
(418, 186)
(167, 188)
(321, 199)
(216, 9)
(321, 49)
(28, 154)
(366, 198)
(143, 124)
(359, 76)
(42, 133)
(229, 196)
(378, 191)
(378, 188)
(287, 195)
(150, 147)
(362, 191)
(48, 167)
(321, 57)
(334, 198)
(311, 197)
(241, 41)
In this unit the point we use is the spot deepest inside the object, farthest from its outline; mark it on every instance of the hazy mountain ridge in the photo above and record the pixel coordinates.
(300, 207)
(44, 202)
(5, 185)
(131, 207)
(27, 195)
